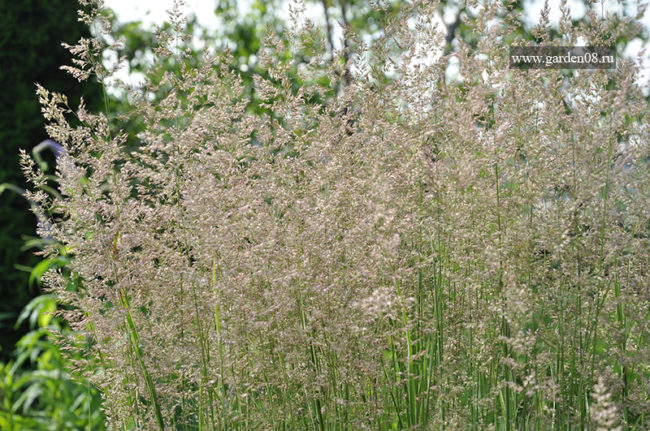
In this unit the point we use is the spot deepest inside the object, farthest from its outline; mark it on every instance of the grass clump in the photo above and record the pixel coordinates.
(414, 253)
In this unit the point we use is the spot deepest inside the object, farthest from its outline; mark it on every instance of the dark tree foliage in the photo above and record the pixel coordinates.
(31, 32)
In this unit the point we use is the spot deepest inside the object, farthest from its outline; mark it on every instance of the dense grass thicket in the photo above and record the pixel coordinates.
(386, 248)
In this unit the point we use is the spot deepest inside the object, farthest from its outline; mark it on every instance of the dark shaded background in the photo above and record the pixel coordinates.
(31, 32)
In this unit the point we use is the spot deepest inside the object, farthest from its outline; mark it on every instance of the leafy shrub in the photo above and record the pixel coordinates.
(418, 252)
(37, 392)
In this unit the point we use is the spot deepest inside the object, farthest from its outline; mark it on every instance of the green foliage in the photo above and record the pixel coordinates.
(37, 393)
(242, 34)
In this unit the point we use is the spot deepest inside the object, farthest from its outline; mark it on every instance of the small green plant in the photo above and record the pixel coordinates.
(37, 391)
